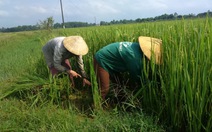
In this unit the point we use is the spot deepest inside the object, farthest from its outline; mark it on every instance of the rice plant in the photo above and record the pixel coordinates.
(178, 92)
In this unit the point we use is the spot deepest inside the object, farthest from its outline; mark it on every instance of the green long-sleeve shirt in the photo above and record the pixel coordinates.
(121, 57)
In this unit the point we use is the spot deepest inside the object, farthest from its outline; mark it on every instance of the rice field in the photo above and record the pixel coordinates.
(176, 96)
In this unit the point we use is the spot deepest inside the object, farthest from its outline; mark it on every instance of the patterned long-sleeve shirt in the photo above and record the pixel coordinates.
(55, 53)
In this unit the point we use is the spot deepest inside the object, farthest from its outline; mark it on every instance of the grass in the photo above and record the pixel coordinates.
(20, 117)
(176, 94)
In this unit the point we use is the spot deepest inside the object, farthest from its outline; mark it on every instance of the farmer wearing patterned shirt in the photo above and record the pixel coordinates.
(57, 52)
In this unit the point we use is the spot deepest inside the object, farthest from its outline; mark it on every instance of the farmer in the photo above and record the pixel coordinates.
(57, 52)
(125, 57)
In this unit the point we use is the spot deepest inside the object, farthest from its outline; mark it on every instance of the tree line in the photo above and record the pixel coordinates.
(48, 24)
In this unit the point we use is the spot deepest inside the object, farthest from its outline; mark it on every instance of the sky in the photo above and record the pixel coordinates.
(15, 13)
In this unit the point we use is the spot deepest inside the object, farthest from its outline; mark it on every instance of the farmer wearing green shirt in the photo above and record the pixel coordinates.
(122, 57)
(57, 52)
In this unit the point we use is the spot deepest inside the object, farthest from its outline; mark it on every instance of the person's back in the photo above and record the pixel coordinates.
(49, 47)
(121, 57)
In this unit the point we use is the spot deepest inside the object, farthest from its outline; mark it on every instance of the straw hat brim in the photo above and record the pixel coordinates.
(151, 47)
(75, 45)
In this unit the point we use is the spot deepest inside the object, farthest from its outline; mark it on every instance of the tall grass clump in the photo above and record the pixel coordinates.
(95, 90)
(191, 67)
(183, 97)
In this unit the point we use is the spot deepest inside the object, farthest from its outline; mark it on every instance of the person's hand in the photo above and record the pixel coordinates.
(86, 82)
(74, 74)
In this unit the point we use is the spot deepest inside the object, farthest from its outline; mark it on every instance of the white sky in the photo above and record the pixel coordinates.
(29, 12)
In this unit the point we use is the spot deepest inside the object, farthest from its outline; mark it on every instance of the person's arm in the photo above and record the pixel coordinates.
(80, 66)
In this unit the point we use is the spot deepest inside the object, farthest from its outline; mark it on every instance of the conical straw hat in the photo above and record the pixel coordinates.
(151, 48)
(75, 45)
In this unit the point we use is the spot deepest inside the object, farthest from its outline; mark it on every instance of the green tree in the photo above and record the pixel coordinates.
(47, 24)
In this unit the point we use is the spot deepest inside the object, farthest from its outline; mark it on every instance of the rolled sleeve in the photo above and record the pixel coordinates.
(80, 66)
